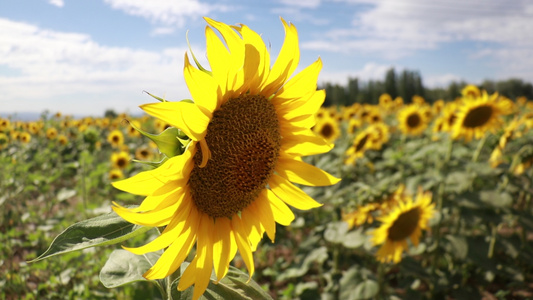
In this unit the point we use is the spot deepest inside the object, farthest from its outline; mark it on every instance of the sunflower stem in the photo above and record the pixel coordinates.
(494, 229)
(480, 145)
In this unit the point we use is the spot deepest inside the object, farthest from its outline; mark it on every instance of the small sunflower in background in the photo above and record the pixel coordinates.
(374, 116)
(120, 160)
(51, 133)
(412, 120)
(361, 143)
(418, 100)
(478, 116)
(438, 106)
(249, 126)
(385, 102)
(62, 139)
(5, 124)
(144, 153)
(380, 135)
(24, 137)
(115, 174)
(405, 221)
(328, 128)
(353, 125)
(470, 92)
(4, 140)
(131, 129)
(360, 216)
(116, 138)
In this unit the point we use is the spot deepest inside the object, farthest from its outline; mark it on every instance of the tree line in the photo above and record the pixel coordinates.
(409, 83)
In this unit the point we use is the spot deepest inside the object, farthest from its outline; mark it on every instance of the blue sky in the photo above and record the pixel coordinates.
(82, 57)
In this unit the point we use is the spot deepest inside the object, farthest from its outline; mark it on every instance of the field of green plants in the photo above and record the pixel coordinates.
(471, 157)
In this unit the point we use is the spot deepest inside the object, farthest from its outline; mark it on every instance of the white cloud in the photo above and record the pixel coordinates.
(166, 12)
(45, 69)
(163, 31)
(370, 71)
(440, 81)
(58, 3)
(398, 28)
(302, 3)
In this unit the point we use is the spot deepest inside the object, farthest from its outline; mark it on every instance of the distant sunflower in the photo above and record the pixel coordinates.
(406, 220)
(353, 125)
(478, 116)
(385, 101)
(62, 139)
(144, 153)
(361, 143)
(328, 128)
(120, 160)
(116, 138)
(51, 133)
(131, 130)
(418, 100)
(4, 140)
(380, 135)
(412, 120)
(361, 216)
(24, 137)
(115, 174)
(5, 124)
(249, 126)
(471, 91)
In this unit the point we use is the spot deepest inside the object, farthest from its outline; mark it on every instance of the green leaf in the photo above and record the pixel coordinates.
(366, 289)
(354, 239)
(458, 246)
(123, 267)
(233, 286)
(336, 232)
(103, 230)
(167, 141)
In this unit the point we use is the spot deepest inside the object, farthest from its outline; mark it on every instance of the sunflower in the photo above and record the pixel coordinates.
(412, 120)
(361, 143)
(4, 124)
(404, 221)
(249, 126)
(24, 137)
(470, 91)
(361, 216)
(120, 160)
(115, 174)
(4, 140)
(62, 139)
(116, 138)
(328, 128)
(385, 101)
(143, 153)
(418, 100)
(353, 125)
(478, 116)
(131, 130)
(51, 133)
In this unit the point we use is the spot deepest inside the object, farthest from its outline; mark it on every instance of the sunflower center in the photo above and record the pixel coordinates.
(244, 139)
(121, 162)
(478, 116)
(404, 225)
(361, 144)
(326, 131)
(413, 120)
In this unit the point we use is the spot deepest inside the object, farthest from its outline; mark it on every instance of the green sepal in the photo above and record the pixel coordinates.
(167, 141)
(154, 96)
(194, 57)
(155, 164)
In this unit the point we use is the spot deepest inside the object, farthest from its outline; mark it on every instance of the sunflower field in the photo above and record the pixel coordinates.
(434, 202)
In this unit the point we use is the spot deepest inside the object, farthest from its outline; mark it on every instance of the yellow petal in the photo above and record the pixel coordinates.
(186, 116)
(160, 200)
(235, 45)
(176, 253)
(154, 218)
(179, 221)
(204, 88)
(286, 63)
(252, 226)
(264, 212)
(219, 59)
(145, 183)
(243, 245)
(281, 212)
(290, 194)
(204, 252)
(257, 59)
(303, 143)
(301, 84)
(224, 247)
(304, 173)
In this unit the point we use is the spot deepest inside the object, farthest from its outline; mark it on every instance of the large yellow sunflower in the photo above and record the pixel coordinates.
(479, 115)
(249, 126)
(405, 221)
(412, 120)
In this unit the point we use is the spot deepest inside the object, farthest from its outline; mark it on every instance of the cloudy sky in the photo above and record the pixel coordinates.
(82, 57)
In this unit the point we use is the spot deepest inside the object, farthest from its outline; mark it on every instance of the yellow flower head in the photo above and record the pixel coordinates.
(328, 128)
(51, 133)
(470, 92)
(120, 160)
(478, 116)
(116, 138)
(4, 140)
(249, 126)
(24, 137)
(4, 124)
(115, 174)
(406, 220)
(62, 139)
(412, 120)
(144, 153)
